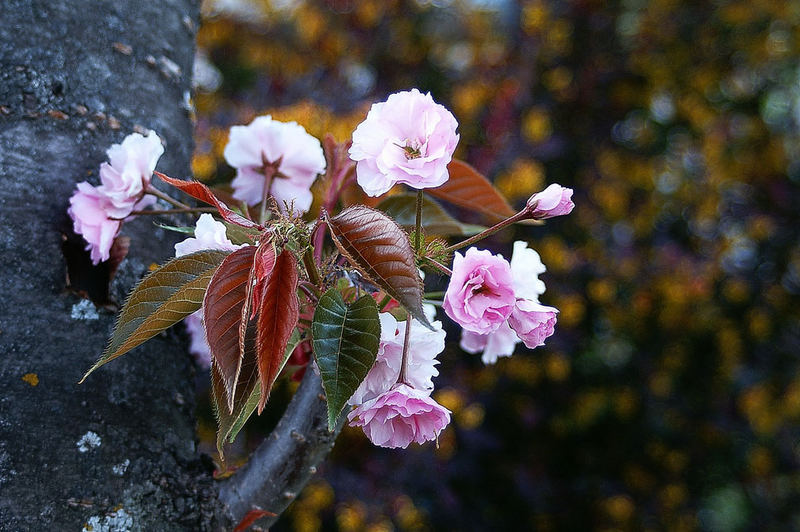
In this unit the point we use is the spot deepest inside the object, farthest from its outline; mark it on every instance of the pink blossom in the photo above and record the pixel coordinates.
(533, 322)
(399, 416)
(480, 296)
(97, 212)
(296, 156)
(555, 200)
(88, 210)
(494, 345)
(208, 234)
(408, 139)
(198, 345)
(129, 172)
(423, 347)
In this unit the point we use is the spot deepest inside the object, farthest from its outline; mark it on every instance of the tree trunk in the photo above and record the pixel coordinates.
(75, 77)
(118, 452)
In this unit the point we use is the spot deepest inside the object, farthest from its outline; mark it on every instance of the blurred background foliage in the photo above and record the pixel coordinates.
(669, 397)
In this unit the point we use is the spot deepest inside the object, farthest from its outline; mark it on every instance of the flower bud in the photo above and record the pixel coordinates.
(555, 200)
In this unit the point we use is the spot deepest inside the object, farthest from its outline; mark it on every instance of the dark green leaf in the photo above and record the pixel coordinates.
(435, 220)
(345, 340)
(160, 300)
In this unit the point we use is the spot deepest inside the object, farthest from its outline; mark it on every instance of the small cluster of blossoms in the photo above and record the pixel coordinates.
(408, 139)
(497, 303)
(487, 294)
(393, 404)
(98, 212)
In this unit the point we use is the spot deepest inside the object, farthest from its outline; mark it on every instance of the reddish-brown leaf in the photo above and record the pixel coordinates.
(246, 386)
(251, 517)
(199, 191)
(278, 312)
(263, 265)
(467, 188)
(222, 313)
(380, 250)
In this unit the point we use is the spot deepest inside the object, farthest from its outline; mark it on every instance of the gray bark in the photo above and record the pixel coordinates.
(285, 461)
(68, 92)
(118, 452)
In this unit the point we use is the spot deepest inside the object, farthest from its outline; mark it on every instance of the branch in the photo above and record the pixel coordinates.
(285, 461)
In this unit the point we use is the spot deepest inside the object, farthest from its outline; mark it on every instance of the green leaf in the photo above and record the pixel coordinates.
(241, 235)
(435, 220)
(183, 230)
(160, 300)
(345, 341)
(249, 392)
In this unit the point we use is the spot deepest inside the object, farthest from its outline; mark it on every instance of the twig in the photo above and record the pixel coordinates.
(524, 214)
(284, 462)
(153, 191)
(155, 212)
(404, 361)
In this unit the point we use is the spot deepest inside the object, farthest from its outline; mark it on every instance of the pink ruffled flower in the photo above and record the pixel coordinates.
(555, 200)
(424, 345)
(399, 416)
(480, 296)
(265, 142)
(97, 212)
(408, 139)
(88, 210)
(129, 172)
(500, 343)
(533, 322)
(526, 265)
(208, 234)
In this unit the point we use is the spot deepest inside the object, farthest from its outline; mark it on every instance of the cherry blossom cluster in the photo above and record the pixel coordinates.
(497, 303)
(408, 139)
(98, 212)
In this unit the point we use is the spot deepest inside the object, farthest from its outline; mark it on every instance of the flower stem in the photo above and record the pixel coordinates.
(155, 212)
(153, 191)
(439, 266)
(418, 231)
(404, 362)
(309, 290)
(433, 295)
(269, 173)
(521, 215)
(311, 268)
